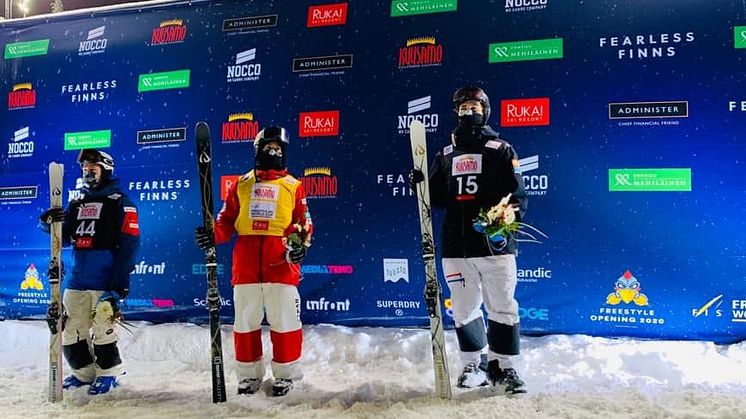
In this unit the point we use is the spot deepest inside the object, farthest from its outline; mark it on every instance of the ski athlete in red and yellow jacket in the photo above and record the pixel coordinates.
(263, 208)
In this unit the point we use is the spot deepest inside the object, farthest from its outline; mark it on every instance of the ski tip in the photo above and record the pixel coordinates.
(202, 131)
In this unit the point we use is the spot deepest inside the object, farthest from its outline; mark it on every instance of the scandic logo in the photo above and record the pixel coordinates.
(419, 7)
(165, 135)
(17, 192)
(326, 62)
(318, 124)
(178, 79)
(650, 180)
(226, 182)
(240, 128)
(327, 15)
(538, 49)
(249, 22)
(638, 110)
(169, 32)
(87, 139)
(524, 112)
(22, 96)
(318, 182)
(420, 52)
(26, 49)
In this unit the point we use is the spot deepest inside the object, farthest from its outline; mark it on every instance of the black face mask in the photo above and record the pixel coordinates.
(471, 120)
(90, 179)
(267, 161)
(469, 138)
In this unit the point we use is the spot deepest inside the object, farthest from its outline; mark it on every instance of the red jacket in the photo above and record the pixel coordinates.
(260, 258)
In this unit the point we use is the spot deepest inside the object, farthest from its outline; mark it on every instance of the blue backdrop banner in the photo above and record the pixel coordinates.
(625, 115)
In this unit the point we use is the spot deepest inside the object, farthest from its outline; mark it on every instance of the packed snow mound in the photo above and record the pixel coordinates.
(377, 372)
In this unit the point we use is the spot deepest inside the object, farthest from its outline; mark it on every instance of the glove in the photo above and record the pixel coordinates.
(107, 309)
(52, 215)
(296, 254)
(114, 295)
(415, 176)
(203, 239)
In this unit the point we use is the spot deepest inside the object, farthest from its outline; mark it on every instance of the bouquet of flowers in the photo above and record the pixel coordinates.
(499, 223)
(299, 237)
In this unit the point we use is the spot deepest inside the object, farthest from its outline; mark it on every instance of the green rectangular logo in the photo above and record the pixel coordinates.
(26, 49)
(538, 49)
(178, 79)
(421, 7)
(739, 37)
(87, 139)
(650, 180)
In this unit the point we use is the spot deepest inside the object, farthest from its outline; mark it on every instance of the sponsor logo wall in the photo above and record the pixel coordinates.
(628, 137)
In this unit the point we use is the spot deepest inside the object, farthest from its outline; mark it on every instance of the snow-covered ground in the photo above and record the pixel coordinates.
(372, 373)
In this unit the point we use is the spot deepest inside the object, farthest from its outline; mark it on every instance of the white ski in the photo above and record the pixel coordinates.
(432, 286)
(55, 310)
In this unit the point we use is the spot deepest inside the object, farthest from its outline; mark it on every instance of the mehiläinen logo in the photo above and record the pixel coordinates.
(430, 120)
(22, 96)
(243, 69)
(250, 24)
(21, 145)
(642, 47)
(420, 7)
(421, 52)
(95, 43)
(178, 79)
(26, 49)
(538, 49)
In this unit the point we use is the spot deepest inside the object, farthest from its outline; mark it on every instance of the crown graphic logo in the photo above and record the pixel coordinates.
(248, 116)
(172, 22)
(317, 171)
(421, 40)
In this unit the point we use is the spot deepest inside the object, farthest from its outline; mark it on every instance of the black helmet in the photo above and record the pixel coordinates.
(272, 134)
(472, 93)
(103, 159)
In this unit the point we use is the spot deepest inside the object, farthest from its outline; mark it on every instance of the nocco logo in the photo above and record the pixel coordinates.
(240, 128)
(627, 305)
(323, 305)
(249, 24)
(95, 91)
(95, 43)
(414, 107)
(421, 52)
(525, 5)
(318, 182)
(20, 145)
(159, 190)
(318, 124)
(642, 47)
(398, 183)
(714, 307)
(22, 96)
(243, 69)
(524, 112)
(169, 32)
(535, 184)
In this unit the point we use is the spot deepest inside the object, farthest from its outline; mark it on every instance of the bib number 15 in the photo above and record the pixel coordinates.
(467, 184)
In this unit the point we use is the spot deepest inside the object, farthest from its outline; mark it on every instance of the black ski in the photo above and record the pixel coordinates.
(204, 163)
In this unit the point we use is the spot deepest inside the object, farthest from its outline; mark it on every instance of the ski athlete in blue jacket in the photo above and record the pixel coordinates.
(102, 227)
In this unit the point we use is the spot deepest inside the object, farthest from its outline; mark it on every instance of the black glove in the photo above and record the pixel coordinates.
(296, 254)
(52, 215)
(203, 239)
(415, 176)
